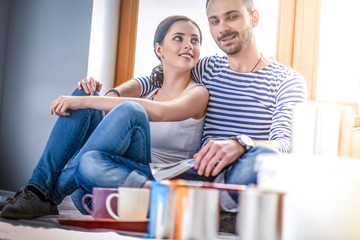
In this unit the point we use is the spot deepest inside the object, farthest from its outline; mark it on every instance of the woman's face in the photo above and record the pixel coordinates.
(181, 46)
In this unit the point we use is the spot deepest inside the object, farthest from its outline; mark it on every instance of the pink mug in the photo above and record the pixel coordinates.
(98, 205)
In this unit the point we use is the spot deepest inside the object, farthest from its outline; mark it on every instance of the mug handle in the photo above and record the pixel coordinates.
(108, 205)
(86, 196)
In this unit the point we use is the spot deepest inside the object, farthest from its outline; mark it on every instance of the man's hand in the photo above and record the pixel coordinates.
(89, 85)
(216, 155)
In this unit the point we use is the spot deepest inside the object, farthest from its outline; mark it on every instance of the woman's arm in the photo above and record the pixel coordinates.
(130, 88)
(190, 104)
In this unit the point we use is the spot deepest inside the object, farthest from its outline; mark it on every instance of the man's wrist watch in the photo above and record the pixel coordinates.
(245, 141)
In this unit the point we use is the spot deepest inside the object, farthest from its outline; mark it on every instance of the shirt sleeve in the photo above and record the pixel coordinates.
(198, 71)
(292, 91)
(145, 85)
(196, 74)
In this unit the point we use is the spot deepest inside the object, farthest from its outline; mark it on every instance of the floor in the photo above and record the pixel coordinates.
(44, 227)
(48, 227)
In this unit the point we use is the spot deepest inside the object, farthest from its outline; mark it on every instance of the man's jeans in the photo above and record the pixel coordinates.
(241, 172)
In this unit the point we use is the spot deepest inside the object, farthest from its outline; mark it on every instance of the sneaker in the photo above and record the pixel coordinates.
(227, 222)
(4, 200)
(28, 205)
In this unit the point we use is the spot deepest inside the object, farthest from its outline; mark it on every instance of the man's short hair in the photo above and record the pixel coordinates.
(249, 5)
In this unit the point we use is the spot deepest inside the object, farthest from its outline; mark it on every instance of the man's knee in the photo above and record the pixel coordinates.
(265, 149)
(87, 167)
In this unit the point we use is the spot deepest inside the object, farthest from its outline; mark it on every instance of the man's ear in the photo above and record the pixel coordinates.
(158, 50)
(255, 18)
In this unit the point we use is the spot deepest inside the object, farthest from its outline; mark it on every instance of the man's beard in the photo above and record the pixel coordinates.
(233, 49)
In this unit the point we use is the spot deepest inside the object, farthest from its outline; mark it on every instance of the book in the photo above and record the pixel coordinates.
(196, 213)
(202, 184)
(184, 209)
(355, 151)
(181, 211)
(162, 171)
(161, 212)
(347, 123)
(260, 214)
(315, 128)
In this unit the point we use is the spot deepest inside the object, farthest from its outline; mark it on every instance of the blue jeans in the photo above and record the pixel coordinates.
(241, 172)
(117, 153)
(125, 161)
(127, 164)
(87, 150)
(54, 173)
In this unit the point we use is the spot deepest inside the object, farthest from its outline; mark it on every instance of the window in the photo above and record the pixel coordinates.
(152, 12)
(339, 49)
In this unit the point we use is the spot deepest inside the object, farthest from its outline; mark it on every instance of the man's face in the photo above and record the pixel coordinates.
(231, 25)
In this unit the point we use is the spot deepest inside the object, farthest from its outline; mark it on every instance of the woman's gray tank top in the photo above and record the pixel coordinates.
(175, 141)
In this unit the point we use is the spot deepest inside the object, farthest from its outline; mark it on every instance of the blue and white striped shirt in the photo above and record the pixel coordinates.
(257, 104)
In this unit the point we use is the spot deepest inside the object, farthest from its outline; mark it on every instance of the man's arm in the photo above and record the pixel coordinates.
(218, 154)
(130, 88)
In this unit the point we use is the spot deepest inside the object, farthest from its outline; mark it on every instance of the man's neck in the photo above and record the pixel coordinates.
(245, 60)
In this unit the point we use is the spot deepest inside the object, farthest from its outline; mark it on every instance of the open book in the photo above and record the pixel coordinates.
(161, 171)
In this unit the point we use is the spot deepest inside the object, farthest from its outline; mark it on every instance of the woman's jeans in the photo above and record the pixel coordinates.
(54, 173)
(87, 150)
(123, 134)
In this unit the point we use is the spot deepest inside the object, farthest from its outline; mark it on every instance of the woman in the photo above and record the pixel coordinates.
(176, 44)
(115, 151)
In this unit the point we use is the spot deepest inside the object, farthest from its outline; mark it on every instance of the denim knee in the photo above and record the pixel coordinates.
(265, 149)
(78, 92)
(243, 171)
(130, 108)
(87, 170)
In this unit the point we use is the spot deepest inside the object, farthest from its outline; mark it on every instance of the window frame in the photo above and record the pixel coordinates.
(297, 41)
(125, 56)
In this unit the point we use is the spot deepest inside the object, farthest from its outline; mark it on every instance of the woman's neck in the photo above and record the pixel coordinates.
(174, 84)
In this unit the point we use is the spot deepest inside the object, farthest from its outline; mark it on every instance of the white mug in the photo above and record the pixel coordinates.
(132, 204)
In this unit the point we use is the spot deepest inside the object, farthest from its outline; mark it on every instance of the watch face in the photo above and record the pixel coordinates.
(247, 140)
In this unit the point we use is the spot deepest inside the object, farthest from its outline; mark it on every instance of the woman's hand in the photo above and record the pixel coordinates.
(60, 105)
(89, 85)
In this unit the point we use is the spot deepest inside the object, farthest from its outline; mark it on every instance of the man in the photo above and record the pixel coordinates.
(251, 97)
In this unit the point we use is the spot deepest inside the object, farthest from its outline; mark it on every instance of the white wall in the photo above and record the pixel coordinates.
(103, 42)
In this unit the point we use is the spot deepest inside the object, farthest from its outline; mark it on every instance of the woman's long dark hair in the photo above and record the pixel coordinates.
(157, 75)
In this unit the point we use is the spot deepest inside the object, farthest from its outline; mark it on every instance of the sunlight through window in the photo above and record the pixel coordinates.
(152, 12)
(339, 50)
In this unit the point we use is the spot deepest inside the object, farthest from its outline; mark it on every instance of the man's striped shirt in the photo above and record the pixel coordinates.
(257, 104)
